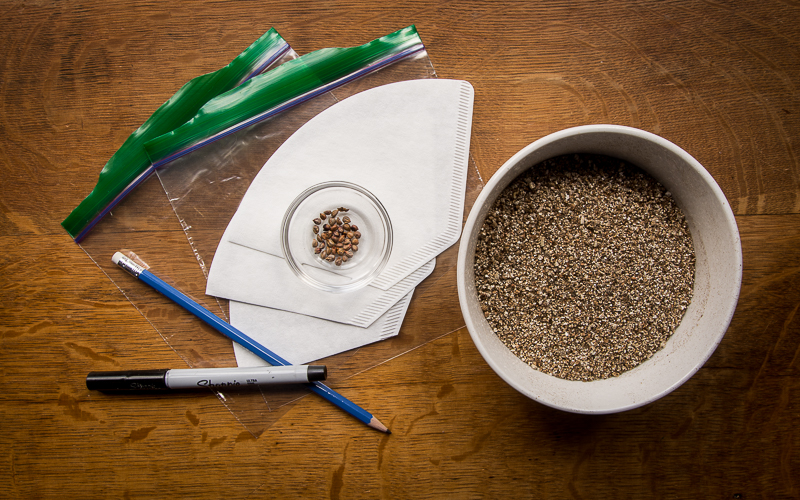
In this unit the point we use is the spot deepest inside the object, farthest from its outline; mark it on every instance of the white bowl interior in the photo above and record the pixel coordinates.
(717, 276)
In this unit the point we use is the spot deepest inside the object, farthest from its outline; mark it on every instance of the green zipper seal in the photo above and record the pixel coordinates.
(285, 86)
(127, 166)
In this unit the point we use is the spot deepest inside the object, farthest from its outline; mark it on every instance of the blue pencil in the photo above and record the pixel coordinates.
(232, 333)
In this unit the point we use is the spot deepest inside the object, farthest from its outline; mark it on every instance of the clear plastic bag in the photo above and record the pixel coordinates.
(204, 186)
(131, 165)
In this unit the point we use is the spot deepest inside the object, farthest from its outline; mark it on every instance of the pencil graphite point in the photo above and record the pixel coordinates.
(376, 424)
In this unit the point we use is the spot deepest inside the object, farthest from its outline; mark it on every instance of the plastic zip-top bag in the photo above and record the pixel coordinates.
(205, 166)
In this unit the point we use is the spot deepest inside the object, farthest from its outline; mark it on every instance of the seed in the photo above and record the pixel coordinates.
(335, 235)
(338, 261)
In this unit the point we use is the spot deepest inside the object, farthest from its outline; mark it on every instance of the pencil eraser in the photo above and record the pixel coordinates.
(116, 258)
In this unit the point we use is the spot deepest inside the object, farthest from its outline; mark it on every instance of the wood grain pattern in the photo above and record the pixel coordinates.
(719, 78)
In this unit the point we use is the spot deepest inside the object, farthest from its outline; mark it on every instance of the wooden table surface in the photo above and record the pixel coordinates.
(718, 78)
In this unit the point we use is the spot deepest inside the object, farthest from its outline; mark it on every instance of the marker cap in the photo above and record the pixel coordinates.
(133, 380)
(317, 372)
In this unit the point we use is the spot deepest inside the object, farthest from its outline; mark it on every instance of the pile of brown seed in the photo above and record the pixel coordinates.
(584, 267)
(335, 238)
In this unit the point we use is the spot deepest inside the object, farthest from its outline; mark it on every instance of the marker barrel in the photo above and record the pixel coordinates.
(237, 377)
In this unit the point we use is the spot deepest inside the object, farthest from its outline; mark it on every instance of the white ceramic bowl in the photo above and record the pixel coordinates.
(718, 273)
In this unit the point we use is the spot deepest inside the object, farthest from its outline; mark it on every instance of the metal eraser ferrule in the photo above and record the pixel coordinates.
(127, 264)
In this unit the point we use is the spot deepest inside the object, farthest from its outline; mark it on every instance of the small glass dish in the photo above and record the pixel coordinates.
(363, 209)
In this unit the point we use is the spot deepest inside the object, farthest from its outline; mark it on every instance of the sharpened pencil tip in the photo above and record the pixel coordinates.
(376, 424)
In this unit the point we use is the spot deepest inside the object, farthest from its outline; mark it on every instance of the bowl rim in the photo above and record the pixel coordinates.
(501, 176)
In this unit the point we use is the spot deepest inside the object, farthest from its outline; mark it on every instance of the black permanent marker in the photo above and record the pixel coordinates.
(199, 378)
